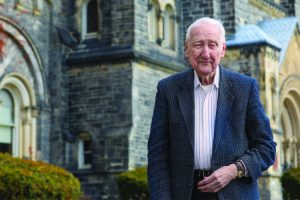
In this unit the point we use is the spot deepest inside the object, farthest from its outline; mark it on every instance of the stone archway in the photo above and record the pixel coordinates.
(290, 121)
(22, 76)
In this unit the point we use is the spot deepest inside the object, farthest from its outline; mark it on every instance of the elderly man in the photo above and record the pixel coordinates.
(210, 137)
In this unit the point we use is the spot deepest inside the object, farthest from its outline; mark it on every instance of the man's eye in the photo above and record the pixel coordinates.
(198, 45)
(212, 45)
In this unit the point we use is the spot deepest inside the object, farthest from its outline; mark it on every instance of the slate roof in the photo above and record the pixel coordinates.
(276, 33)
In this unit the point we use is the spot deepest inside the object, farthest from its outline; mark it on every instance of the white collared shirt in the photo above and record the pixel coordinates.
(205, 114)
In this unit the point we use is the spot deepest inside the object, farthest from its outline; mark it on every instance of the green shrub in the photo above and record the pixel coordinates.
(26, 179)
(291, 184)
(133, 184)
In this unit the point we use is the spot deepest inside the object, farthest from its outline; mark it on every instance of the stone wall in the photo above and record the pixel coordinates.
(122, 24)
(100, 104)
(58, 79)
(244, 60)
(251, 11)
(192, 10)
(144, 81)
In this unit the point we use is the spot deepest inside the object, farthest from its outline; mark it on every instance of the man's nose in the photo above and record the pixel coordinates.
(205, 52)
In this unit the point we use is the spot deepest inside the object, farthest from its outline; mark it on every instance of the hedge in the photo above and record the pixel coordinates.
(291, 184)
(26, 179)
(133, 184)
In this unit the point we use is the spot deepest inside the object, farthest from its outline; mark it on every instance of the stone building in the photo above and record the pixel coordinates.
(78, 78)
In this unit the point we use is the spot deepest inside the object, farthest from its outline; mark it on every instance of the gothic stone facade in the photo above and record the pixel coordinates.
(84, 101)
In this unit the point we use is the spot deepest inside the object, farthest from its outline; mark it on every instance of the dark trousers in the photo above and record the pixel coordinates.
(197, 194)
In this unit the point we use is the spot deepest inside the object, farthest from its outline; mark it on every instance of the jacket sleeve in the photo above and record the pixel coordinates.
(262, 148)
(158, 149)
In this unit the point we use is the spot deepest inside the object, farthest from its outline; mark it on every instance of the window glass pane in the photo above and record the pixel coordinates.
(6, 121)
(88, 158)
(5, 134)
(84, 151)
(92, 17)
(87, 146)
(6, 115)
(5, 148)
(87, 152)
(6, 108)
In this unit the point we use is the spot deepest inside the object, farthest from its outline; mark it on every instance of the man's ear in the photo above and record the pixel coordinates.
(185, 49)
(223, 49)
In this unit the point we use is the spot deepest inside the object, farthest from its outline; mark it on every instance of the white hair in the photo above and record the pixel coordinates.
(198, 22)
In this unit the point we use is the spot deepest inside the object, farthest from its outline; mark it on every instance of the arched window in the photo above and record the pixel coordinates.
(169, 27)
(154, 22)
(17, 117)
(90, 18)
(84, 151)
(6, 122)
(162, 24)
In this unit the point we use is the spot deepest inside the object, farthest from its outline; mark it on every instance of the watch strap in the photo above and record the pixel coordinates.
(240, 168)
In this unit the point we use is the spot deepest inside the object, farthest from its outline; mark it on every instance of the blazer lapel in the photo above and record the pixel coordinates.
(225, 100)
(186, 104)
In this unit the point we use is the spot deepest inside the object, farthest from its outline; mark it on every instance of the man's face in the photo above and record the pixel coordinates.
(205, 48)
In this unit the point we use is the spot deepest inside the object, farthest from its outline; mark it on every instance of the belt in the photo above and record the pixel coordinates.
(199, 174)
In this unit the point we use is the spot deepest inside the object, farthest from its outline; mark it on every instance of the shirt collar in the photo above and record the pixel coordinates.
(216, 79)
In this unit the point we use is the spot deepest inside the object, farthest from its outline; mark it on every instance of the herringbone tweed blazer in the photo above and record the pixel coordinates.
(242, 131)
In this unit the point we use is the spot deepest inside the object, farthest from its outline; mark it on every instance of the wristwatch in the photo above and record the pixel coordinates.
(239, 167)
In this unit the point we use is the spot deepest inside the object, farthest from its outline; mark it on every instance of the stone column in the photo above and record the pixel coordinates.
(27, 137)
